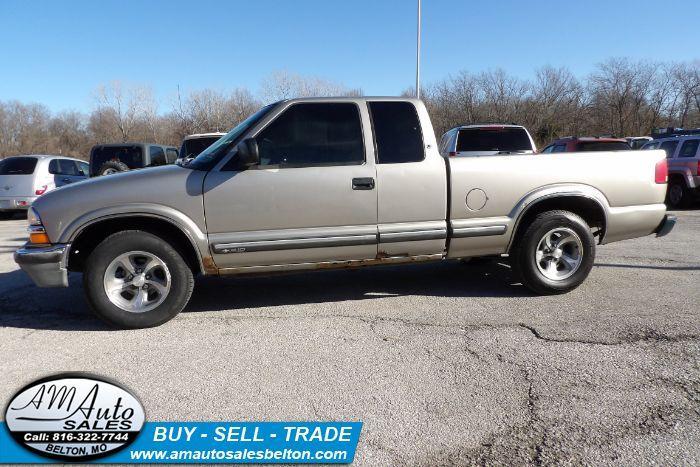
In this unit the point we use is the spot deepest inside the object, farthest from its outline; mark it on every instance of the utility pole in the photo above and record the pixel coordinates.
(418, 55)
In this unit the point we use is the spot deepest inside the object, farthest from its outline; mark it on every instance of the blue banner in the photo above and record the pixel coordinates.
(220, 443)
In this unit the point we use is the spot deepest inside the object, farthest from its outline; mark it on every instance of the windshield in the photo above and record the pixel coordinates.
(211, 155)
(129, 155)
(603, 146)
(493, 139)
(18, 166)
(193, 147)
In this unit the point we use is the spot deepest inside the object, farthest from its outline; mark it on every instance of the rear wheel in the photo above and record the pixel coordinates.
(555, 253)
(677, 195)
(133, 279)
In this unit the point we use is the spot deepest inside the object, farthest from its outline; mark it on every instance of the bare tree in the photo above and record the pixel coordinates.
(284, 85)
(125, 106)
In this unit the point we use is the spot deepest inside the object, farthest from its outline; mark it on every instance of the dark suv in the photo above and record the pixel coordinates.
(107, 159)
(584, 144)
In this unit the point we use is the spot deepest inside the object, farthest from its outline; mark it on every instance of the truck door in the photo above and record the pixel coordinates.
(411, 180)
(312, 198)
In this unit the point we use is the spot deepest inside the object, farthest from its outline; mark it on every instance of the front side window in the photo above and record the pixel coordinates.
(313, 134)
(669, 147)
(67, 167)
(689, 148)
(397, 132)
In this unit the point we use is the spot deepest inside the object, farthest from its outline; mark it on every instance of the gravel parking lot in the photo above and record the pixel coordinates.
(444, 363)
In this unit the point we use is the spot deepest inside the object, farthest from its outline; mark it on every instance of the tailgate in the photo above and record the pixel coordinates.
(16, 186)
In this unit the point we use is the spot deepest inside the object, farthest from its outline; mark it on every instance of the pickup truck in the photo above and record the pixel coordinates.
(323, 183)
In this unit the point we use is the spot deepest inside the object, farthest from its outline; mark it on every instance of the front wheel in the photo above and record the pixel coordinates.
(133, 279)
(555, 253)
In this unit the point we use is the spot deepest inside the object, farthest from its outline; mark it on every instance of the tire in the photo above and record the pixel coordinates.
(112, 167)
(572, 235)
(677, 195)
(107, 267)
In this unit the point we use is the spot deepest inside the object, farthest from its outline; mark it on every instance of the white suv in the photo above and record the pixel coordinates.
(487, 139)
(25, 178)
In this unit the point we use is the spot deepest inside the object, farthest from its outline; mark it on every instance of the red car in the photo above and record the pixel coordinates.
(575, 144)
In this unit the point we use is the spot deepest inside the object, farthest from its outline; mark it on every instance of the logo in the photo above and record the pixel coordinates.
(74, 417)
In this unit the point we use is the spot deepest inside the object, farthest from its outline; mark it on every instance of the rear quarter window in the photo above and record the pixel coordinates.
(18, 166)
(689, 148)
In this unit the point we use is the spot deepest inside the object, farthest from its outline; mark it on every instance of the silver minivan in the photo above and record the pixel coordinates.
(24, 178)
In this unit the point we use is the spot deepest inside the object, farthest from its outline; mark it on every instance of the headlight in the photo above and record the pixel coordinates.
(33, 217)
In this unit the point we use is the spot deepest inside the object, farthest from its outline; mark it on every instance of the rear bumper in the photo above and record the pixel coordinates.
(666, 225)
(16, 203)
(45, 265)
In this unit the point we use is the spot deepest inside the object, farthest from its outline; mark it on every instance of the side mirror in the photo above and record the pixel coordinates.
(248, 153)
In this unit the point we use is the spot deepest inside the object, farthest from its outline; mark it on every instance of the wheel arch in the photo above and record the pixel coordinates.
(585, 201)
(84, 239)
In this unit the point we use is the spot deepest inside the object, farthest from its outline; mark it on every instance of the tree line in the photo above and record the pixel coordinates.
(620, 97)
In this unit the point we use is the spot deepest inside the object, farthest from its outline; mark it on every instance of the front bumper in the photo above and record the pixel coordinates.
(46, 265)
(12, 203)
(666, 225)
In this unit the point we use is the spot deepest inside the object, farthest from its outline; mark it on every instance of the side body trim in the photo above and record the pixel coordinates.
(480, 231)
(293, 244)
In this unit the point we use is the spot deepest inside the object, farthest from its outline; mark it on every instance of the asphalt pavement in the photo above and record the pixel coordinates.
(444, 363)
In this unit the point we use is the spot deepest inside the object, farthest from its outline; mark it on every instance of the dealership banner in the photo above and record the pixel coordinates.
(80, 417)
(211, 442)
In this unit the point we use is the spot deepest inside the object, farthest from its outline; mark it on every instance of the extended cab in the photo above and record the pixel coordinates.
(337, 182)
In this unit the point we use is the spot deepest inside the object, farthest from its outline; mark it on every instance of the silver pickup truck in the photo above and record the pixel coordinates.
(332, 183)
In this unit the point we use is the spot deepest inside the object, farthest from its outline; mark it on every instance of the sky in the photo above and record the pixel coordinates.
(58, 52)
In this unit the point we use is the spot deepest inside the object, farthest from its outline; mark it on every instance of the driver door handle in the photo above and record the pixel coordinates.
(363, 183)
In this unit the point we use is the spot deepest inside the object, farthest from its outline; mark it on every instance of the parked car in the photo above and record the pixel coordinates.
(636, 142)
(25, 178)
(683, 154)
(321, 183)
(108, 159)
(486, 140)
(586, 144)
(193, 145)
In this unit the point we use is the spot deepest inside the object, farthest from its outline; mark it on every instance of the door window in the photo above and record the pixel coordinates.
(62, 167)
(313, 134)
(689, 148)
(397, 132)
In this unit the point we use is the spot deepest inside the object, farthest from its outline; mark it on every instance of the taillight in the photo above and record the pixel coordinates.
(42, 190)
(661, 172)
